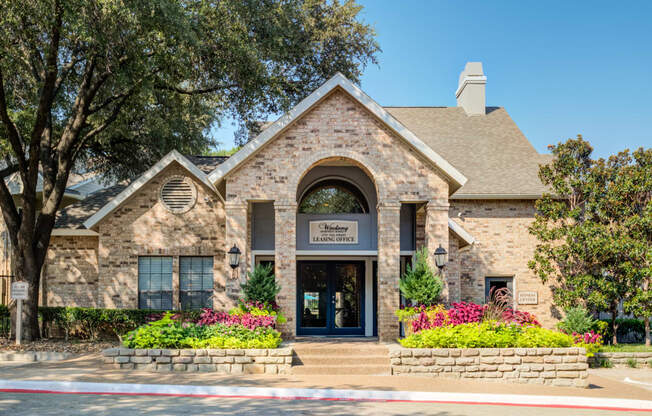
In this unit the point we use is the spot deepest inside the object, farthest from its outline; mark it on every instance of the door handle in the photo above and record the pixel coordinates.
(333, 299)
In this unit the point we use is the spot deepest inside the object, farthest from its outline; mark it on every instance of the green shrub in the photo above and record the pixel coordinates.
(4, 311)
(89, 323)
(486, 335)
(577, 320)
(172, 333)
(419, 284)
(606, 363)
(625, 326)
(261, 285)
(649, 363)
(632, 363)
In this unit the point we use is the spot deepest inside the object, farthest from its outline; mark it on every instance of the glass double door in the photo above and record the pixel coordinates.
(330, 297)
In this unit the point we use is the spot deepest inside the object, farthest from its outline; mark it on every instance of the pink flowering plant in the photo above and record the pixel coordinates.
(423, 317)
(258, 308)
(590, 341)
(213, 329)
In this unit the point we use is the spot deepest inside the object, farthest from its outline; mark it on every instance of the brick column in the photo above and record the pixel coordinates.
(389, 268)
(285, 256)
(236, 233)
(436, 233)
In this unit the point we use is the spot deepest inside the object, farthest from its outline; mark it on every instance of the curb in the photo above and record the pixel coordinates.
(570, 402)
(33, 356)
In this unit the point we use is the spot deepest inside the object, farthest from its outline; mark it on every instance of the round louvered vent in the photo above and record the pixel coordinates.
(178, 194)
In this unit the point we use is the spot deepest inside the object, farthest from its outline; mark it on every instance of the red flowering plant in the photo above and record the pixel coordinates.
(257, 308)
(591, 341)
(248, 320)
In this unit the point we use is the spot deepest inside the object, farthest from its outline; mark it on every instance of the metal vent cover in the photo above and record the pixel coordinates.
(178, 194)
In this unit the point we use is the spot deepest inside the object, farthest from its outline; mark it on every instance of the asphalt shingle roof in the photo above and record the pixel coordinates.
(74, 215)
(490, 150)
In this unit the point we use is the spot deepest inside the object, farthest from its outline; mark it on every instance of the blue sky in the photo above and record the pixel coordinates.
(560, 68)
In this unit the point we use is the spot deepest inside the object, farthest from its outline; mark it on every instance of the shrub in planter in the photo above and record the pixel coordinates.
(215, 330)
(488, 334)
(578, 320)
(259, 309)
(419, 284)
(428, 317)
(261, 285)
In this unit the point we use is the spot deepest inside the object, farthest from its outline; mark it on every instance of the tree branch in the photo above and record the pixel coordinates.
(14, 135)
(8, 171)
(197, 91)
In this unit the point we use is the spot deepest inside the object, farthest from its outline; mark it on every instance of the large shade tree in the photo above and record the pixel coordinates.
(595, 229)
(112, 85)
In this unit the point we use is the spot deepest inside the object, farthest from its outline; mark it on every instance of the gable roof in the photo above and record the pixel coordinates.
(171, 157)
(456, 178)
(490, 150)
(74, 215)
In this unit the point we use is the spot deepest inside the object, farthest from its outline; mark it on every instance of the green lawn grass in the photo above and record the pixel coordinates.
(626, 348)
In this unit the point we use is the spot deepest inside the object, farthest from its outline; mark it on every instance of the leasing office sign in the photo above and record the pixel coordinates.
(333, 232)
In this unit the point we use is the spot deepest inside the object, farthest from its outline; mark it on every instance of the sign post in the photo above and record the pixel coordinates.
(19, 292)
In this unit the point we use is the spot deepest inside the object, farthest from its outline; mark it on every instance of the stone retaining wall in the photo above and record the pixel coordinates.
(552, 366)
(223, 361)
(622, 359)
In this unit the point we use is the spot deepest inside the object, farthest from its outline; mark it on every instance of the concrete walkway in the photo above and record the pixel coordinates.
(604, 383)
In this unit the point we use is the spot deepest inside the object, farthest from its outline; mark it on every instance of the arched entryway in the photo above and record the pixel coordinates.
(337, 237)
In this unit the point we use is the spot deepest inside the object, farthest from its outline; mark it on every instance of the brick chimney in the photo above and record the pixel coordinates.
(471, 89)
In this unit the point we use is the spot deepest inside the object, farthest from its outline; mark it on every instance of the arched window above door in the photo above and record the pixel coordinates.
(333, 196)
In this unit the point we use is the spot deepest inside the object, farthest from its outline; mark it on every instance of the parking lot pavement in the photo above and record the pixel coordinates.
(638, 377)
(17, 404)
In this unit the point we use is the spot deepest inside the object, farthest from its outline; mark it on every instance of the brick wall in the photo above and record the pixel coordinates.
(340, 130)
(70, 274)
(503, 248)
(143, 226)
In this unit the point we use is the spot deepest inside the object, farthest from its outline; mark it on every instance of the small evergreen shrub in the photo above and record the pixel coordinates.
(577, 320)
(261, 285)
(632, 363)
(606, 363)
(419, 284)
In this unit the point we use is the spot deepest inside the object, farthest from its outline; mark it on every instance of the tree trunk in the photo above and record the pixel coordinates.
(28, 269)
(647, 331)
(614, 323)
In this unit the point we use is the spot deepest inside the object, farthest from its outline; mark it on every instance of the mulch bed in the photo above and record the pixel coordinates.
(73, 346)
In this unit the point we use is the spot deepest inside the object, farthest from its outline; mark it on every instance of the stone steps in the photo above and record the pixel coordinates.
(362, 369)
(340, 358)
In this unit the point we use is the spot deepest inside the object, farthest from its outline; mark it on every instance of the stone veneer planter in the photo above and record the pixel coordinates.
(621, 359)
(553, 366)
(222, 361)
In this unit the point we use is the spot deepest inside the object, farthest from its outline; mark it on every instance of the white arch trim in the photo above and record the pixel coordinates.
(338, 80)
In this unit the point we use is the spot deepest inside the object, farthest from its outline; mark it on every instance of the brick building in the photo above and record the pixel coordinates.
(337, 194)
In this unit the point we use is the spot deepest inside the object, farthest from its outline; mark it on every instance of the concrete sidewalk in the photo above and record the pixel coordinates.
(604, 383)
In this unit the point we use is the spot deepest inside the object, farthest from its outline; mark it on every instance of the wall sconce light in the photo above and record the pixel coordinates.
(441, 257)
(234, 257)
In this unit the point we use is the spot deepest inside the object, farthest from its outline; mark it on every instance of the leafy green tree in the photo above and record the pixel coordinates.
(111, 86)
(593, 227)
(261, 285)
(419, 284)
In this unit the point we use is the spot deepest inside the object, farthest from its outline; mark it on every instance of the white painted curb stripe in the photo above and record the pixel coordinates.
(326, 394)
(629, 380)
